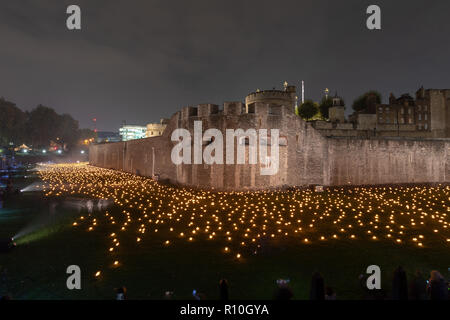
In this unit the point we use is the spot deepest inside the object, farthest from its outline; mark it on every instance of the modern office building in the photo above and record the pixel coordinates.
(132, 132)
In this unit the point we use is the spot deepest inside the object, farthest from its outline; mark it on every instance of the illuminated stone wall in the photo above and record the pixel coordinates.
(385, 161)
(307, 158)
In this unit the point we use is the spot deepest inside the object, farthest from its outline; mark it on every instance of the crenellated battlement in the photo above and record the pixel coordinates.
(268, 94)
(234, 109)
(205, 110)
(285, 97)
(266, 103)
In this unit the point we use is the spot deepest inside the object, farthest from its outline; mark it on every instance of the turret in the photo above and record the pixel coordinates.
(284, 97)
(337, 111)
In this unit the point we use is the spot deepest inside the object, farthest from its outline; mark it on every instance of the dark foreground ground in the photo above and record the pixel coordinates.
(36, 269)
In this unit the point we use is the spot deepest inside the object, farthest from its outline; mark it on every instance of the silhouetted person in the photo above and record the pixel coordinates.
(363, 285)
(4, 276)
(317, 290)
(198, 295)
(223, 287)
(418, 287)
(437, 286)
(374, 294)
(283, 292)
(330, 294)
(1, 198)
(121, 293)
(9, 186)
(100, 205)
(89, 206)
(168, 295)
(399, 285)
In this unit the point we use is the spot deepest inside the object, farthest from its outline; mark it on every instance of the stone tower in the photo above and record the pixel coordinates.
(284, 97)
(337, 111)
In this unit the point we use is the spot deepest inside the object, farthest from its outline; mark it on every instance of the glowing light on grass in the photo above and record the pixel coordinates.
(244, 220)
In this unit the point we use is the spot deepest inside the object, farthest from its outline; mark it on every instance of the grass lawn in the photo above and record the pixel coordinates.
(36, 269)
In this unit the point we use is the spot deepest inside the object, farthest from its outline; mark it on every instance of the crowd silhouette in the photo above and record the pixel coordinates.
(435, 288)
(418, 288)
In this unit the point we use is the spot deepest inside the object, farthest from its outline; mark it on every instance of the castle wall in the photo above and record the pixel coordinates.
(367, 121)
(387, 161)
(300, 138)
(136, 156)
(306, 156)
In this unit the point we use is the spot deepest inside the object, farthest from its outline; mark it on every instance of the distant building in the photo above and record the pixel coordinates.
(23, 148)
(131, 132)
(425, 116)
(156, 129)
(108, 136)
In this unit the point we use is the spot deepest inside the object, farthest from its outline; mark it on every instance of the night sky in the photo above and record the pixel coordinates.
(140, 61)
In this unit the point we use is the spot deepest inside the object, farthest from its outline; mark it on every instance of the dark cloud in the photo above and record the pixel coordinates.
(143, 60)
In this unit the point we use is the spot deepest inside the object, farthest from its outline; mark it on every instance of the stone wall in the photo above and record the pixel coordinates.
(306, 156)
(387, 161)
